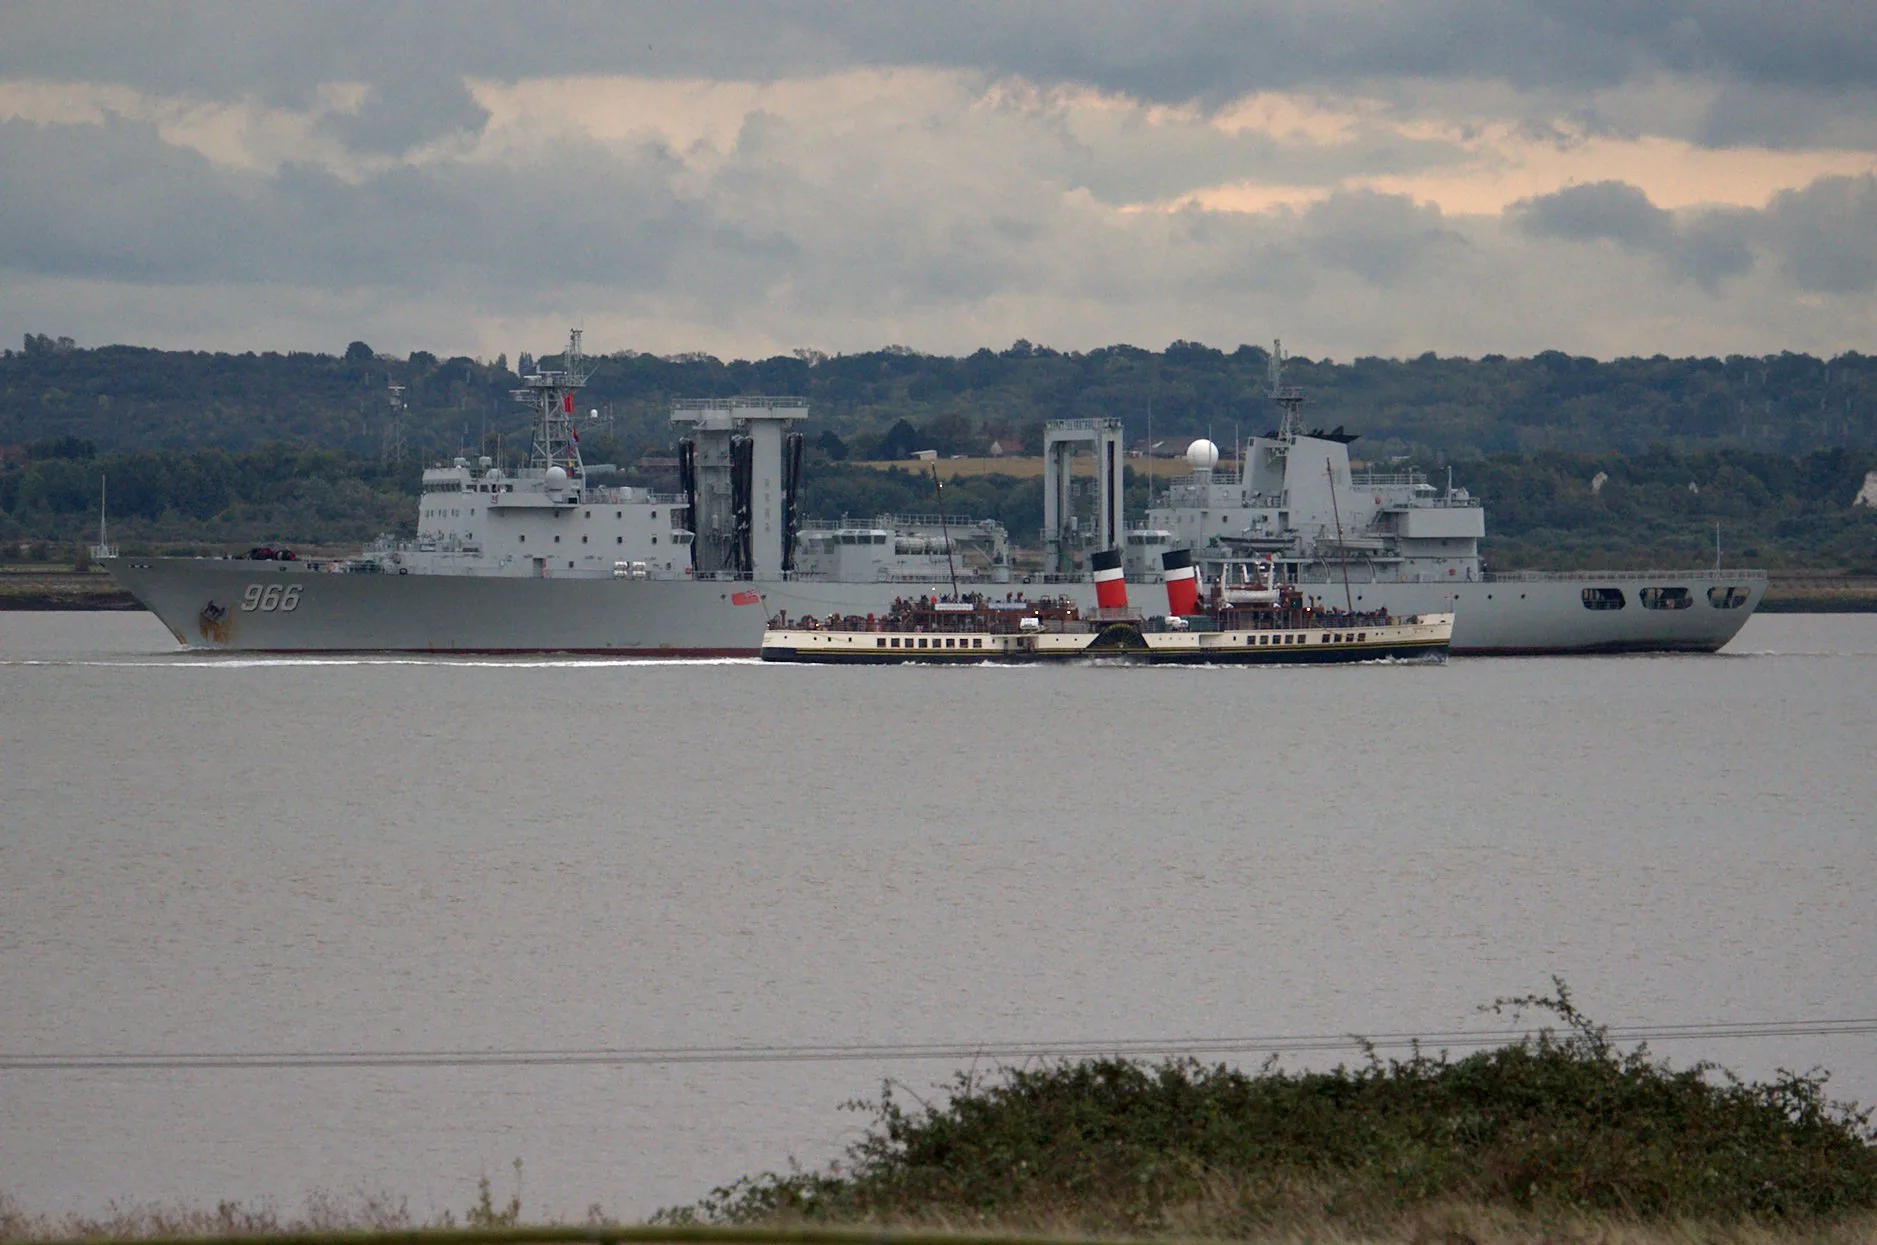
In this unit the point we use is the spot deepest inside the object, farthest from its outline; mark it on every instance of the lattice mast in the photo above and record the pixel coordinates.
(550, 394)
(1289, 398)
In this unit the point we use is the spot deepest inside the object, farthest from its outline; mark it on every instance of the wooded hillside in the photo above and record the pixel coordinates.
(240, 449)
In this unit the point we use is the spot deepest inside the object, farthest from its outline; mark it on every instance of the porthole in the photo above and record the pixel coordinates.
(1727, 598)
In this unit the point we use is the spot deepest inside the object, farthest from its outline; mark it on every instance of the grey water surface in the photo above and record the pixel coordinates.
(254, 855)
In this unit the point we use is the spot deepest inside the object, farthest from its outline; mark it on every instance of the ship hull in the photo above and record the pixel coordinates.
(201, 601)
(1411, 639)
(1547, 614)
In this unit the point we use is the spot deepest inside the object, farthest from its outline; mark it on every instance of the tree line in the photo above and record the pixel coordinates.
(879, 403)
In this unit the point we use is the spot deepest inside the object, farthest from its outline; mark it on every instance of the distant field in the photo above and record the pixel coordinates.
(1026, 468)
(60, 588)
(1820, 592)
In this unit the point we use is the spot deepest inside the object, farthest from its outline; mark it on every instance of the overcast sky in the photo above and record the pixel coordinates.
(1463, 176)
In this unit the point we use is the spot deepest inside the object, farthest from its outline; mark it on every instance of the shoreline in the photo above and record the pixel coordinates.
(1799, 592)
(32, 589)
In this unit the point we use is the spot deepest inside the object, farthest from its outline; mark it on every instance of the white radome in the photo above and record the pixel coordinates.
(556, 476)
(1202, 455)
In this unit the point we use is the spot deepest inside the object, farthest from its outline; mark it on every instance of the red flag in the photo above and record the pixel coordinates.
(746, 598)
(567, 403)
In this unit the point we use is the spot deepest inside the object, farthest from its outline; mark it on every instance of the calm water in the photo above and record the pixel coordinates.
(291, 855)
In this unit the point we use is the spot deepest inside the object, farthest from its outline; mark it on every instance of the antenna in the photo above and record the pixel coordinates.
(945, 531)
(1342, 550)
(1150, 449)
(392, 450)
(1289, 398)
(104, 548)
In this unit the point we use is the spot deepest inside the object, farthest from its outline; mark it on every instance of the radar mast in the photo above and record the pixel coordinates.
(551, 396)
(1289, 398)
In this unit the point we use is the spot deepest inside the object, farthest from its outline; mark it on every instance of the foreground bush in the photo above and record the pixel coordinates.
(1551, 1125)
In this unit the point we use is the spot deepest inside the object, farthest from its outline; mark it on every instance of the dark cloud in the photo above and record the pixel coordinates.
(397, 116)
(1381, 238)
(1616, 211)
(1826, 234)
(1747, 114)
(1212, 52)
(113, 203)
(1705, 247)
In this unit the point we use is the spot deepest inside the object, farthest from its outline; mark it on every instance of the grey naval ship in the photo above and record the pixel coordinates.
(534, 558)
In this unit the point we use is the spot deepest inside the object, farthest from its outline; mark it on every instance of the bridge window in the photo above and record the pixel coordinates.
(1728, 598)
(1665, 598)
(1604, 599)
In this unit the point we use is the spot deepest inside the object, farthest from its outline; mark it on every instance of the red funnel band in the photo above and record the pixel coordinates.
(1111, 589)
(1182, 591)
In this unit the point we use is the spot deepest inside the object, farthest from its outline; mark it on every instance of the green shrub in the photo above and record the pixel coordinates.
(1553, 1123)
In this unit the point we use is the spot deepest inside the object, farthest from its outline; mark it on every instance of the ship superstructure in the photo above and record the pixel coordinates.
(543, 519)
(736, 515)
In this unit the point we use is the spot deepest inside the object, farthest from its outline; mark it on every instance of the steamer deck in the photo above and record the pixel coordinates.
(1419, 638)
(1256, 625)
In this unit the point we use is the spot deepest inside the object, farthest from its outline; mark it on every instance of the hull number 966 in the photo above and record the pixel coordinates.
(270, 597)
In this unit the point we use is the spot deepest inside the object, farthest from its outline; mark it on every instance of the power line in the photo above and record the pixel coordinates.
(890, 1051)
